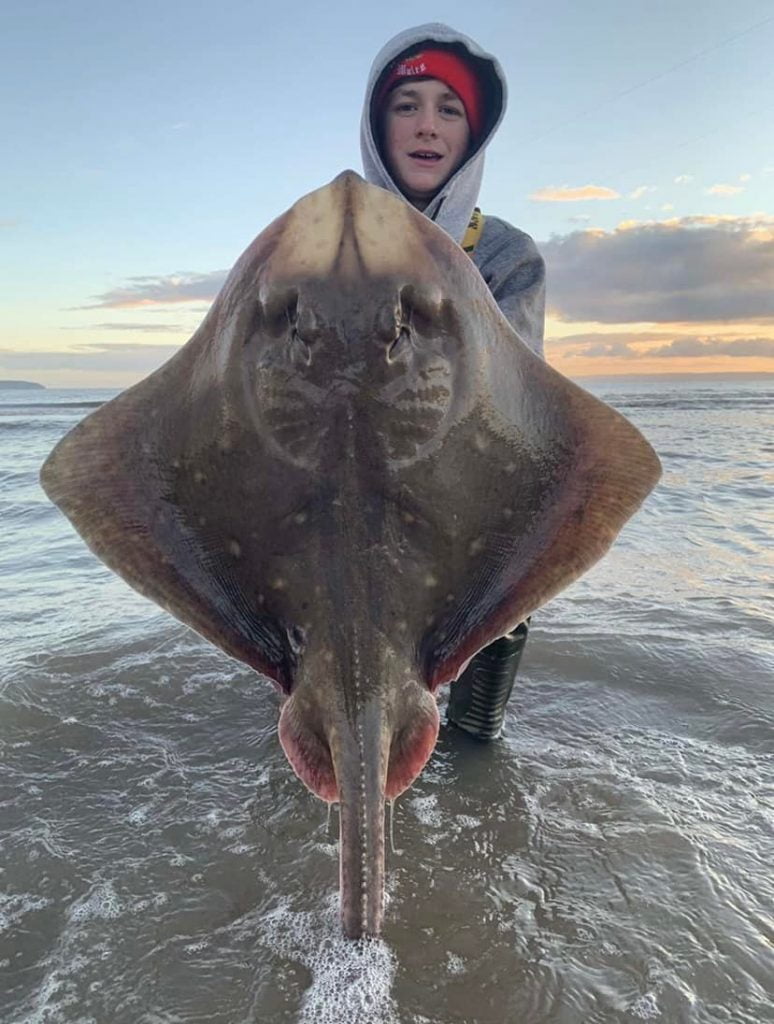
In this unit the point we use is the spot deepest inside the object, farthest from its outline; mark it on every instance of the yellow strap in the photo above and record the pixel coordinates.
(473, 231)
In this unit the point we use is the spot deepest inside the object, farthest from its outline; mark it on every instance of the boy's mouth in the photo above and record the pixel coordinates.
(426, 155)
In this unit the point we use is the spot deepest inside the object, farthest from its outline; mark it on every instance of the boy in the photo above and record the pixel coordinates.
(434, 100)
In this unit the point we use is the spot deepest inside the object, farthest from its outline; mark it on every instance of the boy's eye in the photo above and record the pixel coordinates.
(451, 111)
(404, 108)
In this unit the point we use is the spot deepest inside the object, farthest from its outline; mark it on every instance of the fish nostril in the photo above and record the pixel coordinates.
(304, 330)
(300, 349)
(291, 310)
(400, 344)
(276, 312)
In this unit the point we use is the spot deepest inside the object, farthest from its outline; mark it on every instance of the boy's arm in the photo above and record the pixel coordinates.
(515, 273)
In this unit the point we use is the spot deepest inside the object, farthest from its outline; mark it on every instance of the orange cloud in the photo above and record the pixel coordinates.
(724, 190)
(759, 226)
(553, 194)
(677, 348)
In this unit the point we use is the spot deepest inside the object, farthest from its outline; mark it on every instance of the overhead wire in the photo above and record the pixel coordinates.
(652, 78)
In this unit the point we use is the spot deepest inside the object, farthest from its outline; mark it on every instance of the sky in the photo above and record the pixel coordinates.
(145, 145)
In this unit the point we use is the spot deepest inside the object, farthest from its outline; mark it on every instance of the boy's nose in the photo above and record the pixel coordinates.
(426, 124)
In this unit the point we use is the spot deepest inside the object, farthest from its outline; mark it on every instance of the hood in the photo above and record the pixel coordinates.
(452, 207)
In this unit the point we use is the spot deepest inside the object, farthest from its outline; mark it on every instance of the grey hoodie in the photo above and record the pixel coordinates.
(507, 258)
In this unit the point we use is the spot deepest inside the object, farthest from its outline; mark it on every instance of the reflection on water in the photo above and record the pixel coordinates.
(608, 861)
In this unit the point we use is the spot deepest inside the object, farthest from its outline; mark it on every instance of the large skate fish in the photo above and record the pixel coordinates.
(352, 477)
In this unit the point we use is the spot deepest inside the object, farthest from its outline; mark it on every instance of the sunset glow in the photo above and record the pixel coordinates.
(640, 163)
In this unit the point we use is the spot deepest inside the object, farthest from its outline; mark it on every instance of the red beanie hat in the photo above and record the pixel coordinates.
(448, 67)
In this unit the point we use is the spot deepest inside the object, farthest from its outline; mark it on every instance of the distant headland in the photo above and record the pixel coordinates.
(21, 385)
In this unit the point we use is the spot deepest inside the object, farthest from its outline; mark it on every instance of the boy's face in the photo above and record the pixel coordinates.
(426, 137)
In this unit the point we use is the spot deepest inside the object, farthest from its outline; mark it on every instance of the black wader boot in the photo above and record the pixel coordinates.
(478, 698)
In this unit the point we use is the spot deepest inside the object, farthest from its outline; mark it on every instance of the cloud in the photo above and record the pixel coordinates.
(613, 337)
(641, 191)
(694, 269)
(723, 190)
(9, 222)
(166, 290)
(552, 194)
(596, 345)
(117, 358)
(683, 179)
(699, 347)
(757, 223)
(745, 177)
(640, 346)
(606, 350)
(144, 328)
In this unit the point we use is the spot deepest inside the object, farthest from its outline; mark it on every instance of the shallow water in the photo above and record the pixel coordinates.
(608, 860)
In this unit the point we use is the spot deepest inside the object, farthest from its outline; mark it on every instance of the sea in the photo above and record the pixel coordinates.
(609, 859)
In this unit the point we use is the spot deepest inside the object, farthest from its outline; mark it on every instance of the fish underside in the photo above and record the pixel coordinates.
(353, 477)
